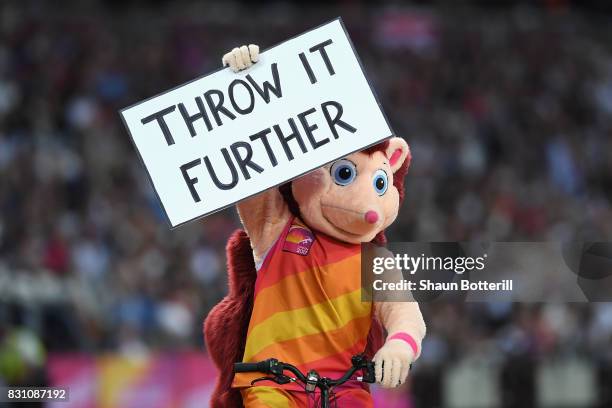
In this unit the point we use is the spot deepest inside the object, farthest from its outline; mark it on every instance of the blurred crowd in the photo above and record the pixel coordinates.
(508, 114)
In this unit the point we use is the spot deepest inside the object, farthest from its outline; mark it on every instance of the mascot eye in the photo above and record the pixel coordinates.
(380, 182)
(343, 172)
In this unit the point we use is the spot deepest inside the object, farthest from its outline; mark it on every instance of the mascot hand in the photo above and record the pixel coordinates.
(241, 57)
(392, 363)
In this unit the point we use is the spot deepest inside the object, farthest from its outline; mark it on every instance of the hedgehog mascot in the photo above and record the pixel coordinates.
(295, 280)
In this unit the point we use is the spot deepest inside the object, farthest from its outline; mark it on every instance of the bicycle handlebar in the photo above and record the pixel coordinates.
(275, 367)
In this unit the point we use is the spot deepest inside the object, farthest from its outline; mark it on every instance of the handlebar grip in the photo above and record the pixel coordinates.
(368, 373)
(262, 367)
(245, 367)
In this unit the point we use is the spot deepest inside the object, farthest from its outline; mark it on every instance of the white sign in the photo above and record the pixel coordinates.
(226, 136)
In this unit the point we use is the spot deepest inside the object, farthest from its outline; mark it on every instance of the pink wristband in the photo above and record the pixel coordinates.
(408, 339)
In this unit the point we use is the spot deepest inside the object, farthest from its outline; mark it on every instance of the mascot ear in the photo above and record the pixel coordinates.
(398, 152)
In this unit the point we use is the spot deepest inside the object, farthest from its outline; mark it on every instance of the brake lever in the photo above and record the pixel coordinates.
(280, 379)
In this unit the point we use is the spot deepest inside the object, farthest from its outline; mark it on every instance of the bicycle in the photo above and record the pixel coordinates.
(312, 380)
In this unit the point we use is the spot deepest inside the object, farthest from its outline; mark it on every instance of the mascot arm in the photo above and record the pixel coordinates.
(405, 329)
(405, 326)
(265, 215)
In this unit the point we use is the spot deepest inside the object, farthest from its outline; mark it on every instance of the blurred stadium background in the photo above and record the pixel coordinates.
(507, 108)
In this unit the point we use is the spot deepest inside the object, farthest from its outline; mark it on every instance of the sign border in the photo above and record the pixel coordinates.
(161, 203)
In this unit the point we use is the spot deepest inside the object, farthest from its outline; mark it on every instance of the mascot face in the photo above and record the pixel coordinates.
(353, 199)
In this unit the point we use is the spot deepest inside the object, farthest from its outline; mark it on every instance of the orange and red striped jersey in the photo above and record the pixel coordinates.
(307, 307)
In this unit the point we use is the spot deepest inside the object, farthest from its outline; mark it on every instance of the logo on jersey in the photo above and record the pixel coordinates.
(299, 240)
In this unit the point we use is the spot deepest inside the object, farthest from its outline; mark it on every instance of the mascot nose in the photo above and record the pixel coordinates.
(371, 217)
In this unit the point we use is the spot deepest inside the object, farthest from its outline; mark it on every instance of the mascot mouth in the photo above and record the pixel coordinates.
(353, 225)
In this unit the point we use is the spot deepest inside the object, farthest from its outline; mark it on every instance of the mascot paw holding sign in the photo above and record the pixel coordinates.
(295, 281)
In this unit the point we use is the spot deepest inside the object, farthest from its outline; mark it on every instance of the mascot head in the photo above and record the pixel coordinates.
(355, 198)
